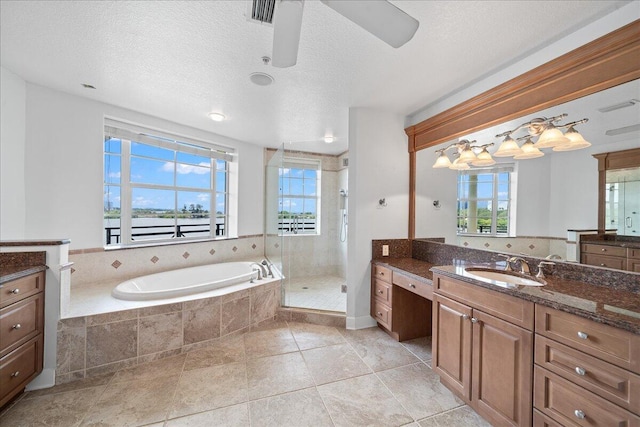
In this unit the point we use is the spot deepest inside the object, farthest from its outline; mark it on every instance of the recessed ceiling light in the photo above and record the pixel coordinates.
(88, 86)
(216, 117)
(261, 79)
(329, 139)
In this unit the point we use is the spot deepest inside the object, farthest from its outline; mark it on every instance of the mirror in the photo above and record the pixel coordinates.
(555, 193)
(623, 201)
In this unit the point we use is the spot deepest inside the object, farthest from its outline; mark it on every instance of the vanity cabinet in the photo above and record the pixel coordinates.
(618, 257)
(633, 260)
(21, 333)
(586, 373)
(482, 349)
(399, 303)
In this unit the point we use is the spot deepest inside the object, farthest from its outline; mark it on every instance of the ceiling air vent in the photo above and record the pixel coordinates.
(262, 10)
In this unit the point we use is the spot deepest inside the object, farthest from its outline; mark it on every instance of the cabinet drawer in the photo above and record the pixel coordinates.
(604, 379)
(633, 253)
(571, 405)
(20, 322)
(382, 291)
(19, 367)
(382, 314)
(541, 420)
(622, 348)
(592, 248)
(18, 289)
(505, 307)
(416, 286)
(382, 273)
(604, 261)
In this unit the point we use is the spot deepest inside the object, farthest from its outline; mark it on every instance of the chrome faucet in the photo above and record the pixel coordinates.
(507, 267)
(540, 274)
(268, 266)
(524, 267)
(262, 271)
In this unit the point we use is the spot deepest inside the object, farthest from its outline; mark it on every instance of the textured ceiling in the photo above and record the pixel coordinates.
(181, 60)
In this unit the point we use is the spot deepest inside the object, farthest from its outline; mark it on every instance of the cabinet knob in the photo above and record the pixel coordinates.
(465, 316)
(583, 335)
(580, 414)
(580, 371)
(382, 273)
(379, 313)
(380, 291)
(16, 326)
(474, 320)
(411, 285)
(603, 250)
(15, 374)
(602, 264)
(15, 291)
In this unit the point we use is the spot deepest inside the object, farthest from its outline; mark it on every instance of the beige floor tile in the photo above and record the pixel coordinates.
(421, 347)
(230, 416)
(273, 375)
(333, 363)
(354, 335)
(297, 409)
(463, 416)
(100, 380)
(61, 409)
(227, 350)
(418, 389)
(210, 388)
(133, 403)
(363, 401)
(383, 352)
(309, 336)
(269, 342)
(171, 366)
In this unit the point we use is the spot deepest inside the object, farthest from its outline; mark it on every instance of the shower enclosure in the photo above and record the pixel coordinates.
(306, 227)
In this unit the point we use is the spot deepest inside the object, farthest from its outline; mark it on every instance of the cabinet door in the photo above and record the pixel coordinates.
(451, 347)
(502, 370)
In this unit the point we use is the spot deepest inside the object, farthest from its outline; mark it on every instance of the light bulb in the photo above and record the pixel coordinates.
(508, 148)
(529, 151)
(576, 141)
(551, 137)
(483, 159)
(442, 161)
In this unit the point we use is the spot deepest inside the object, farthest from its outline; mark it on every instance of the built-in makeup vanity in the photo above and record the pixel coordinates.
(521, 355)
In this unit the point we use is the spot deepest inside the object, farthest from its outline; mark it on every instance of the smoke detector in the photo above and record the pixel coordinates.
(261, 79)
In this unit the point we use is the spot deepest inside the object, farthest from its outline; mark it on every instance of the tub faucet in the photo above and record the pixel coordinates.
(268, 266)
(524, 267)
(262, 272)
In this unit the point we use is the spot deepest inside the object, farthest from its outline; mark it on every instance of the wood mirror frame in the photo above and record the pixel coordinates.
(624, 159)
(603, 63)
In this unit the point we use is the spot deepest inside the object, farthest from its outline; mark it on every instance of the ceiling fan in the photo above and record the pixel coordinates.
(379, 17)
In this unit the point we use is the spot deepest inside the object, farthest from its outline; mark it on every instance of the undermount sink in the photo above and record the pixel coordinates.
(505, 279)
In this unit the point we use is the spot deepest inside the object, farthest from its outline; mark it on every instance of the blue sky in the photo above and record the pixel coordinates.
(155, 165)
(298, 182)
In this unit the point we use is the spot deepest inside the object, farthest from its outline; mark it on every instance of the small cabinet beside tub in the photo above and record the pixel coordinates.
(21, 333)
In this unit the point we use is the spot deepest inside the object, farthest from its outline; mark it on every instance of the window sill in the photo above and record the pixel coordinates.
(165, 243)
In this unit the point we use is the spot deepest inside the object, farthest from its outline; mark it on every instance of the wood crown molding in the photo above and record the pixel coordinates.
(603, 63)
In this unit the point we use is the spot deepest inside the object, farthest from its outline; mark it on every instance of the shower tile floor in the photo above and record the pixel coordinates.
(317, 292)
(283, 374)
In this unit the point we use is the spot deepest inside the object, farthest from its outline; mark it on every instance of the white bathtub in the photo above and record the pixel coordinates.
(186, 281)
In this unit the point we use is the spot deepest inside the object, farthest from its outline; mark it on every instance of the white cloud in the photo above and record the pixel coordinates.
(202, 168)
(114, 174)
(203, 197)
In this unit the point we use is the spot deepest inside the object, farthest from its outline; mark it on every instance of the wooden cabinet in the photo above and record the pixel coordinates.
(21, 333)
(618, 257)
(399, 305)
(586, 373)
(486, 359)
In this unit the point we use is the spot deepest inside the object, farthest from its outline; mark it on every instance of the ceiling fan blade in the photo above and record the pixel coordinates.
(381, 18)
(287, 22)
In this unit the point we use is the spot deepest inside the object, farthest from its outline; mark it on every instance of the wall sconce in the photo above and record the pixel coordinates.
(466, 155)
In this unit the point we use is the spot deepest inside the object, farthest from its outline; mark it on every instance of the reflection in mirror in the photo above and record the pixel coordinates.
(555, 192)
(622, 199)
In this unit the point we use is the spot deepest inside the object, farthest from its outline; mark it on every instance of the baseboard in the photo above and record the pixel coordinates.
(46, 379)
(361, 322)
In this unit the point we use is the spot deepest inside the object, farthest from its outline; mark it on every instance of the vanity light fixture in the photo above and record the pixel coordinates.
(216, 117)
(508, 148)
(466, 155)
(528, 150)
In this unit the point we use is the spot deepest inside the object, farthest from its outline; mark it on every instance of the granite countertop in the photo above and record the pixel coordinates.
(617, 308)
(12, 273)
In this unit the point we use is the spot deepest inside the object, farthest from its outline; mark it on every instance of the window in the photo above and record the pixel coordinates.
(158, 187)
(299, 210)
(485, 201)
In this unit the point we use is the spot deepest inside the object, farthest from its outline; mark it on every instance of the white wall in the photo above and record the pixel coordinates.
(378, 168)
(63, 167)
(12, 151)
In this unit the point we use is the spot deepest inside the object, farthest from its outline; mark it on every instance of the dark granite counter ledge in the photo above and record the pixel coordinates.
(617, 308)
(13, 273)
(9, 243)
(420, 270)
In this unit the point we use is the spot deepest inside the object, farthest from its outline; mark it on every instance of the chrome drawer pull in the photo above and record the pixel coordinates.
(580, 371)
(465, 316)
(15, 374)
(380, 313)
(16, 326)
(603, 250)
(380, 291)
(15, 291)
(411, 285)
(582, 335)
(381, 273)
(474, 320)
(580, 414)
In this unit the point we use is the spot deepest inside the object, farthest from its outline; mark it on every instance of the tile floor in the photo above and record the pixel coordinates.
(285, 374)
(317, 293)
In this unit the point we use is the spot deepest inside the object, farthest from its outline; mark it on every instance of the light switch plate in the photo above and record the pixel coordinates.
(385, 250)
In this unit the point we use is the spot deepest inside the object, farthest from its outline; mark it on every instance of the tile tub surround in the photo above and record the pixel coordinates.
(341, 378)
(93, 345)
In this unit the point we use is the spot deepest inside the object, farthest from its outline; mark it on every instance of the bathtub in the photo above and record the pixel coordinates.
(186, 281)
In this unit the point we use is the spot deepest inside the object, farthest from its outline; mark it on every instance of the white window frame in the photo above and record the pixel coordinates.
(304, 164)
(495, 171)
(127, 133)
